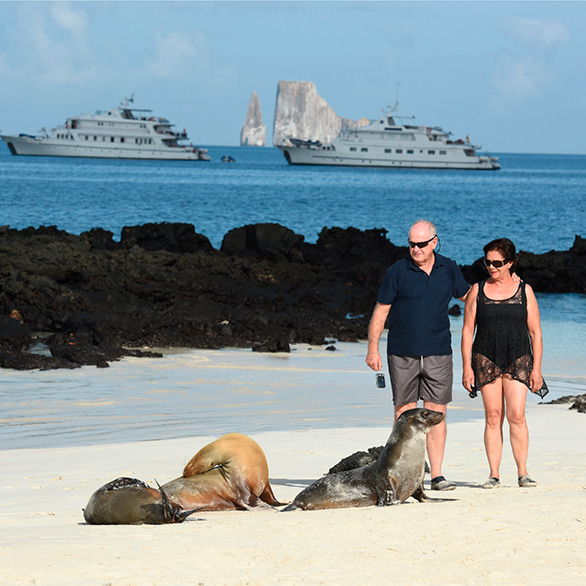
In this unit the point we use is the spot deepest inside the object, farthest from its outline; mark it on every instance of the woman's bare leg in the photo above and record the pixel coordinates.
(494, 412)
(515, 394)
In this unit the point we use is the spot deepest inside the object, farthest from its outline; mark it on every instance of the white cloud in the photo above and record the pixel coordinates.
(519, 80)
(54, 45)
(175, 54)
(74, 21)
(526, 74)
(535, 34)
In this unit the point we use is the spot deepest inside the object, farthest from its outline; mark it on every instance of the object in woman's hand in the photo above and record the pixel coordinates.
(542, 391)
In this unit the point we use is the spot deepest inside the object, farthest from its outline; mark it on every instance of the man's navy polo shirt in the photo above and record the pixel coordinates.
(418, 321)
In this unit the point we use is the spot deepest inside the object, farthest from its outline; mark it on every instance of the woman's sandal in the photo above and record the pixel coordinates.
(526, 481)
(492, 482)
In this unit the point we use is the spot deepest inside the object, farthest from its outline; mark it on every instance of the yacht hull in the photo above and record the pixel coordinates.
(38, 146)
(314, 156)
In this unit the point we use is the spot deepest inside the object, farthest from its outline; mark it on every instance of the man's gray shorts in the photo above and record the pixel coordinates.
(421, 377)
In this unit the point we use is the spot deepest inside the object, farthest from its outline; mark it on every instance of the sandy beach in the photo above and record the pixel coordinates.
(510, 535)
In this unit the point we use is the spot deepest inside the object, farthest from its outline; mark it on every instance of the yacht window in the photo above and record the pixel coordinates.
(443, 152)
(388, 150)
(399, 151)
(364, 150)
(431, 152)
(353, 149)
(111, 139)
(409, 151)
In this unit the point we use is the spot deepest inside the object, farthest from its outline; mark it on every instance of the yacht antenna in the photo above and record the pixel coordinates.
(394, 108)
(127, 101)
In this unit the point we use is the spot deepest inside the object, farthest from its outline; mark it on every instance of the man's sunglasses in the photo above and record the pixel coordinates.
(497, 264)
(420, 244)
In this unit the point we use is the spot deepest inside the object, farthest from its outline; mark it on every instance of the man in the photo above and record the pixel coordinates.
(415, 295)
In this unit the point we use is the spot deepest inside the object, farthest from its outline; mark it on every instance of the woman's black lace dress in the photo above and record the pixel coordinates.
(502, 344)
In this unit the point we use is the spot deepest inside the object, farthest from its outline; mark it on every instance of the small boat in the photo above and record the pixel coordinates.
(118, 133)
(228, 159)
(392, 143)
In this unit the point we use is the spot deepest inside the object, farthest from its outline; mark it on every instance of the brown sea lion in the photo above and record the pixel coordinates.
(230, 473)
(396, 475)
(128, 501)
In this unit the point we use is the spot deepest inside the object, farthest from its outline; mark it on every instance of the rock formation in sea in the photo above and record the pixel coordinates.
(300, 112)
(254, 132)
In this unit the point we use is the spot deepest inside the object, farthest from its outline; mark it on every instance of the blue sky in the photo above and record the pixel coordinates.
(510, 74)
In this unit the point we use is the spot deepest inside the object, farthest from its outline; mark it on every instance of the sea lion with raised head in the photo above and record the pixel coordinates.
(396, 475)
(129, 501)
(229, 473)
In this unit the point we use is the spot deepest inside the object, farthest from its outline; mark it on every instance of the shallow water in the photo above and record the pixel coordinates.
(209, 393)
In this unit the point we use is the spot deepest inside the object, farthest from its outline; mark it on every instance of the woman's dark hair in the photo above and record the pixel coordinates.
(505, 247)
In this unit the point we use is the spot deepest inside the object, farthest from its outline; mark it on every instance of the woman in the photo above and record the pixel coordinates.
(505, 358)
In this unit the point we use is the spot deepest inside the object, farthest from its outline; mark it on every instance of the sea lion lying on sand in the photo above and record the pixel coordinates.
(229, 473)
(396, 475)
(128, 501)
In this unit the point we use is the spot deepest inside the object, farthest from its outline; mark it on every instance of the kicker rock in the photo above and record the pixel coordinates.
(254, 132)
(301, 113)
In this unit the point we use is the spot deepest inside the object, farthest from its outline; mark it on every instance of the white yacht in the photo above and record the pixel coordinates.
(119, 133)
(390, 142)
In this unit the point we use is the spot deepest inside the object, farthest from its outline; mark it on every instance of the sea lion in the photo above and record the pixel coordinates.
(229, 473)
(396, 475)
(129, 501)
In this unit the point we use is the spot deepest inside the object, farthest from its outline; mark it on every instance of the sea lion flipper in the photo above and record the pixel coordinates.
(389, 495)
(182, 514)
(419, 495)
(269, 498)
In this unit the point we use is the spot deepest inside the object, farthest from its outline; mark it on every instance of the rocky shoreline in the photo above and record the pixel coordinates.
(90, 299)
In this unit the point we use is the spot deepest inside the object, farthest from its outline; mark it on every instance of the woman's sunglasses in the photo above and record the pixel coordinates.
(497, 264)
(420, 244)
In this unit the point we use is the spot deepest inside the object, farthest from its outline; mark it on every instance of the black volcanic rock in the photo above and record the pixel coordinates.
(357, 460)
(165, 236)
(164, 285)
(551, 272)
(577, 402)
(271, 241)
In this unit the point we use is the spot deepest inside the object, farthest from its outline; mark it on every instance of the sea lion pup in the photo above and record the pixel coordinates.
(229, 473)
(396, 475)
(129, 501)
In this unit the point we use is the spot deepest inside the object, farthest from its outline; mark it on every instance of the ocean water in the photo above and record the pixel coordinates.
(536, 200)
